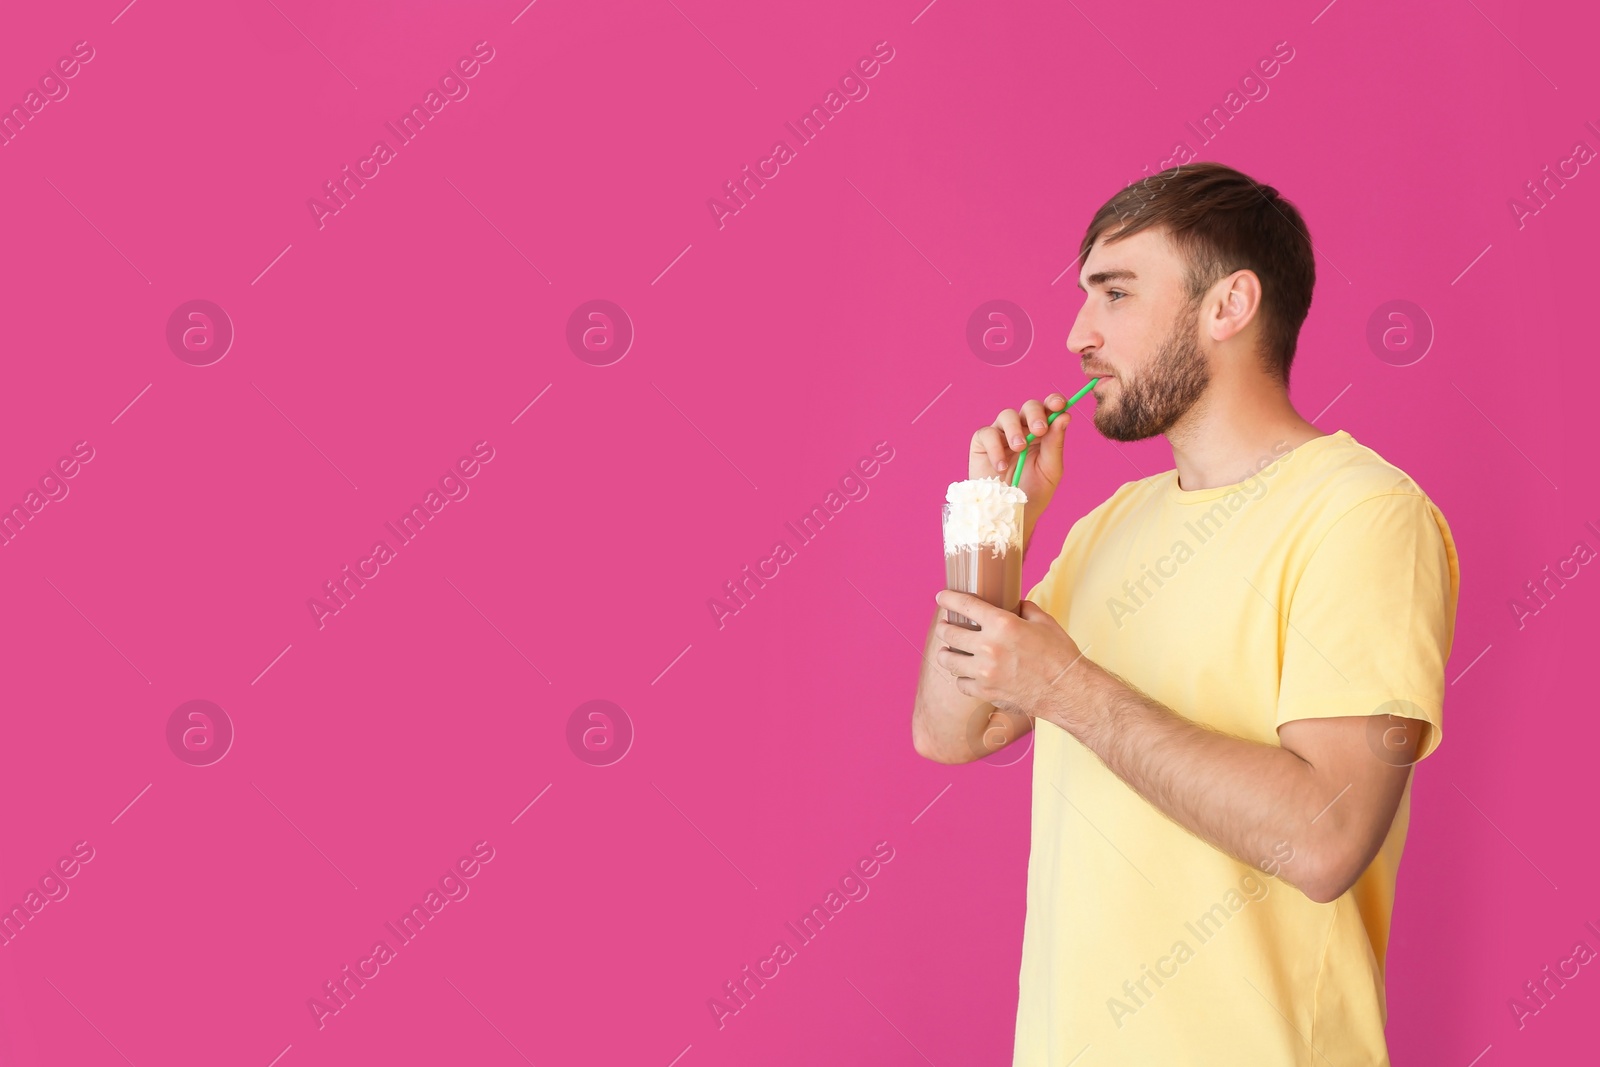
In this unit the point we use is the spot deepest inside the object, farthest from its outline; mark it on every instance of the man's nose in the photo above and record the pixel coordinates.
(1083, 336)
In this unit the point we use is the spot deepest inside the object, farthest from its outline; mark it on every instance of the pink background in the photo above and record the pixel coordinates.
(771, 354)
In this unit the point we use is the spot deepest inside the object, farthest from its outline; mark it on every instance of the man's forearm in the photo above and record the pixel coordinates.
(1243, 797)
(942, 717)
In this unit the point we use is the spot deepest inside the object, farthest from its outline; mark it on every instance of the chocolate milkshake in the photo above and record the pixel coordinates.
(983, 543)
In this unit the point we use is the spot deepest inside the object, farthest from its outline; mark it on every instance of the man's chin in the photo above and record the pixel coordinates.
(1113, 428)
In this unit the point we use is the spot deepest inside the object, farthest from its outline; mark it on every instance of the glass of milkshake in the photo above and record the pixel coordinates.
(983, 519)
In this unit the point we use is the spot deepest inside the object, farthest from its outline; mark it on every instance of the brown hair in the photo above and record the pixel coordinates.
(1222, 221)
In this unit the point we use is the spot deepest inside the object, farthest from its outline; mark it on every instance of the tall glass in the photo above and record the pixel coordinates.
(989, 571)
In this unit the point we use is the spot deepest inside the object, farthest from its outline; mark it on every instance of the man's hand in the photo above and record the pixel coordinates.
(1017, 663)
(994, 451)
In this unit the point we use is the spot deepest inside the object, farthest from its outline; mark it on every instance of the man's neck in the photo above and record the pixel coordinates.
(1232, 430)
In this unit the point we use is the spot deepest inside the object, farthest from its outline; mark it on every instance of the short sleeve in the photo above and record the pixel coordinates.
(1372, 617)
(1045, 591)
(1041, 592)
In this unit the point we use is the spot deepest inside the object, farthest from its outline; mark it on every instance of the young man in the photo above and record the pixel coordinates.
(1229, 668)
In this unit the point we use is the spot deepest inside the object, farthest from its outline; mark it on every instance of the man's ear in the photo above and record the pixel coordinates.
(1234, 304)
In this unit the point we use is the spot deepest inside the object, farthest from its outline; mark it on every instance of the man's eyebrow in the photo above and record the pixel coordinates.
(1101, 277)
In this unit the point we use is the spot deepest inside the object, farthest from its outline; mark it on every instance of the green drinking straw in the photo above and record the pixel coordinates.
(1016, 479)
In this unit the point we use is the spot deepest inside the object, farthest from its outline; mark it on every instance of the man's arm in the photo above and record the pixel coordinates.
(947, 726)
(1322, 789)
(1325, 791)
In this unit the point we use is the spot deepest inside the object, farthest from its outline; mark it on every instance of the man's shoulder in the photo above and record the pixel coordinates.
(1127, 497)
(1091, 527)
(1360, 506)
(1129, 493)
(1347, 473)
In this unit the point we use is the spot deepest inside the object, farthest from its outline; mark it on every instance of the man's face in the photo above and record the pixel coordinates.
(1137, 331)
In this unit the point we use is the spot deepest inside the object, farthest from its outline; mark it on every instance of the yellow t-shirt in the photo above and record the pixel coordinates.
(1322, 584)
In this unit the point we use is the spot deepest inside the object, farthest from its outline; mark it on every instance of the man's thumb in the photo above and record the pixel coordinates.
(1032, 612)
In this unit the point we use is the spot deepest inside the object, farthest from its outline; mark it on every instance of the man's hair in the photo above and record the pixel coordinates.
(1222, 221)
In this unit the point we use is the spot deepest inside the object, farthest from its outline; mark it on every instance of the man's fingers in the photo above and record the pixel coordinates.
(954, 663)
(1008, 437)
(1010, 424)
(978, 610)
(990, 440)
(1034, 415)
(950, 635)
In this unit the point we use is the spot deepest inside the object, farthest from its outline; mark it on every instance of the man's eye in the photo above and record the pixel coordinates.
(1114, 293)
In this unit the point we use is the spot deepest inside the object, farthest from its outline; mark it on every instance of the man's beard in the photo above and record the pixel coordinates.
(1163, 393)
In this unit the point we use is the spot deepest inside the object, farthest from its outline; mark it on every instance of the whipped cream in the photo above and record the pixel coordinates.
(983, 511)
